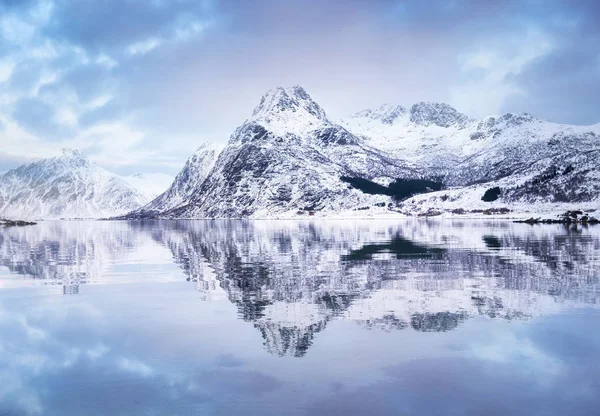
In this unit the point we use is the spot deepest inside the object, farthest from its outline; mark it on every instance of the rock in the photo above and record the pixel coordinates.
(15, 223)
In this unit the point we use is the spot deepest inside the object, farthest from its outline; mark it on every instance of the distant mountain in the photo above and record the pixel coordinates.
(531, 160)
(287, 156)
(67, 186)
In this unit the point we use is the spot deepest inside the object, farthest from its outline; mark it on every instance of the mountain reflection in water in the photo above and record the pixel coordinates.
(290, 279)
(299, 318)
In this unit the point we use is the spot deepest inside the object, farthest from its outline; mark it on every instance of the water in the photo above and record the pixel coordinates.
(299, 318)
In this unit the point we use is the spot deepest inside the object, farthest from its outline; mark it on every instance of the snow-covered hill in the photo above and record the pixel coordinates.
(290, 159)
(68, 186)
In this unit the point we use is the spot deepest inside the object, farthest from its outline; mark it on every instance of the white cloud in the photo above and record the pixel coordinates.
(106, 61)
(487, 69)
(143, 47)
(135, 366)
(191, 29)
(6, 69)
(97, 352)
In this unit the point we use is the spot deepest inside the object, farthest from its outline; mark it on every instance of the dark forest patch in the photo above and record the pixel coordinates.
(399, 189)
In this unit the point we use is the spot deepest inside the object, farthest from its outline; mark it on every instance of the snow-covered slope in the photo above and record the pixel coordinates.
(68, 186)
(531, 160)
(441, 141)
(287, 156)
(185, 184)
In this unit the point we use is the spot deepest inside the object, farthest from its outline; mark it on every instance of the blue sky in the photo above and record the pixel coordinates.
(138, 84)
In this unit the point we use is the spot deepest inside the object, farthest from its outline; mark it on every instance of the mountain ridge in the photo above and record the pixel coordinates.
(288, 158)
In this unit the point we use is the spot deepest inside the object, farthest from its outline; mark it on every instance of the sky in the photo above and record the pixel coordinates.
(138, 85)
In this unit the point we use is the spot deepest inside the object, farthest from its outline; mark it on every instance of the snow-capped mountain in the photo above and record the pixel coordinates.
(287, 156)
(67, 186)
(530, 159)
(186, 182)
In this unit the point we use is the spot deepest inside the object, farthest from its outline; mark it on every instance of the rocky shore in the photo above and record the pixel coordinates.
(569, 217)
(15, 223)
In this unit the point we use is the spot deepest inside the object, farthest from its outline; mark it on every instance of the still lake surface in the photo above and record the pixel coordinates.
(299, 318)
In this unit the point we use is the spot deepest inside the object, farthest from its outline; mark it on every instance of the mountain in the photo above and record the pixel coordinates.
(287, 156)
(67, 186)
(186, 182)
(290, 158)
(531, 160)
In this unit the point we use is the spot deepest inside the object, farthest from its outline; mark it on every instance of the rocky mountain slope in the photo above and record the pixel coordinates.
(185, 184)
(287, 157)
(68, 186)
(531, 161)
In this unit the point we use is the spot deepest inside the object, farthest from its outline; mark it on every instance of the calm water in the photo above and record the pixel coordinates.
(299, 318)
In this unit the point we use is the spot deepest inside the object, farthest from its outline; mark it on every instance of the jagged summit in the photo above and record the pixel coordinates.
(72, 157)
(70, 152)
(422, 113)
(387, 113)
(439, 114)
(288, 100)
(507, 120)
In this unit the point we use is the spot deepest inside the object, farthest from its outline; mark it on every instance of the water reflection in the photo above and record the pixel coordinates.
(271, 318)
(290, 279)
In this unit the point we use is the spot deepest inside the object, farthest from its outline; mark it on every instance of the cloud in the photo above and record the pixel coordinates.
(178, 73)
(112, 26)
(135, 366)
(39, 118)
(564, 84)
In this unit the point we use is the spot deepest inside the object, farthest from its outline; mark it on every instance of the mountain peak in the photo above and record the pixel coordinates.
(68, 152)
(73, 156)
(439, 114)
(387, 113)
(287, 100)
(209, 147)
(69, 186)
(506, 120)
